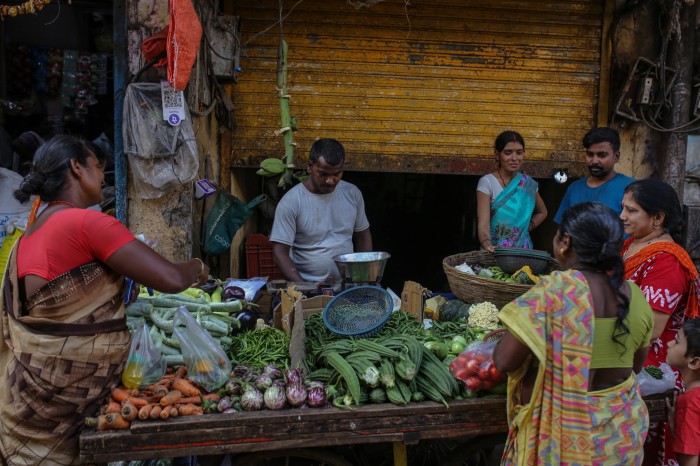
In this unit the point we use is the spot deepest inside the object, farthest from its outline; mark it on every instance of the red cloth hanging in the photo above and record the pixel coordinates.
(184, 35)
(154, 46)
(180, 40)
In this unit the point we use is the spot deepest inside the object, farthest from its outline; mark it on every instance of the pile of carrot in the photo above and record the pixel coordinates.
(173, 396)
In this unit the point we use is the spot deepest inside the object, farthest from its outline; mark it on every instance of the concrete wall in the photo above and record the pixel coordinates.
(175, 219)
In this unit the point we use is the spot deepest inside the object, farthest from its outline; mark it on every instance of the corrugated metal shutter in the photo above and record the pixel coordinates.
(421, 87)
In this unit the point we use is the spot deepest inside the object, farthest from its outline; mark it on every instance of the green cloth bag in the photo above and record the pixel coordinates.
(226, 217)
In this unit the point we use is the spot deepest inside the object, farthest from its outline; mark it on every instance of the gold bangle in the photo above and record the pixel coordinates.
(198, 277)
(485, 239)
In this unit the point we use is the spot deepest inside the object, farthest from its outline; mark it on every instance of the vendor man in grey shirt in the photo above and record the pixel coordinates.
(319, 219)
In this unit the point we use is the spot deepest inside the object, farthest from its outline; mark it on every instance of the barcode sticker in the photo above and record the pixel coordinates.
(173, 104)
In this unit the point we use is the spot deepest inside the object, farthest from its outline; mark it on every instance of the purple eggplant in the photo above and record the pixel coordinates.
(296, 394)
(316, 397)
(293, 376)
(275, 397)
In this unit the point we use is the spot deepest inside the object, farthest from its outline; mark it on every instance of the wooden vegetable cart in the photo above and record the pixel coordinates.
(261, 431)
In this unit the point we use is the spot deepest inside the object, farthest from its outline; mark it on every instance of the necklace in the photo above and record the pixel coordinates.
(501, 177)
(52, 203)
(645, 244)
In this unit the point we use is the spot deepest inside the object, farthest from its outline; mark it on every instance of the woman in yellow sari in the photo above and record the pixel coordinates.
(63, 334)
(573, 346)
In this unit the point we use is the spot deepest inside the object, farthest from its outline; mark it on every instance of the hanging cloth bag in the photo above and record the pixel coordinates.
(226, 217)
(184, 35)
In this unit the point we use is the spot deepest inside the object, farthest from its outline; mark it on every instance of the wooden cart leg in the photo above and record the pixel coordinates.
(400, 456)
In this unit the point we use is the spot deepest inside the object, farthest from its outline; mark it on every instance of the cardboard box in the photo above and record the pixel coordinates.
(283, 317)
(264, 300)
(289, 316)
(413, 299)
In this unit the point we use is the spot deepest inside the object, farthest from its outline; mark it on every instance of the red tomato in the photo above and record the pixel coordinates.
(482, 357)
(463, 358)
(462, 374)
(495, 374)
(484, 372)
(454, 366)
(473, 366)
(488, 384)
(473, 384)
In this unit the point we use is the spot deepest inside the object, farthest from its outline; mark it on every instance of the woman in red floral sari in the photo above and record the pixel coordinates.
(651, 214)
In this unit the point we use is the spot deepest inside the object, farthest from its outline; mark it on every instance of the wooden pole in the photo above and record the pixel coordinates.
(673, 146)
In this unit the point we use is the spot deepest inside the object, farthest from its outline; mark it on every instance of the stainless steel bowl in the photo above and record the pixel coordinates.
(362, 267)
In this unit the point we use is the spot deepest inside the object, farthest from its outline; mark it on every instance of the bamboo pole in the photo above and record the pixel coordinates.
(286, 129)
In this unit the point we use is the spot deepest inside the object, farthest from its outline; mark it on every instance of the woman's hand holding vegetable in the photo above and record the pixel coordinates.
(139, 262)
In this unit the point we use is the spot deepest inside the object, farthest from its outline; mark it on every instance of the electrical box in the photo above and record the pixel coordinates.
(646, 91)
(224, 42)
(647, 86)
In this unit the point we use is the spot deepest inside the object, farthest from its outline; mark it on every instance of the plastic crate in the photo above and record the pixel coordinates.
(259, 258)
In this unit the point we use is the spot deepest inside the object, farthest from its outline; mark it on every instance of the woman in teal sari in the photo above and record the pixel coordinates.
(508, 205)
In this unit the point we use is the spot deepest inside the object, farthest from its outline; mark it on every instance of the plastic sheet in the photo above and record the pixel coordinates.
(161, 156)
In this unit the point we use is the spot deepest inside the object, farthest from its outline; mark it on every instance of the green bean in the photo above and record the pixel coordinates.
(258, 348)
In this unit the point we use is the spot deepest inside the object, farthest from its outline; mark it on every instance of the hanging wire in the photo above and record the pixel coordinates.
(660, 73)
(678, 129)
(57, 14)
(282, 18)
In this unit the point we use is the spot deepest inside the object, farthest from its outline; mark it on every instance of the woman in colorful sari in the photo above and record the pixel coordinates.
(508, 206)
(64, 339)
(574, 343)
(652, 217)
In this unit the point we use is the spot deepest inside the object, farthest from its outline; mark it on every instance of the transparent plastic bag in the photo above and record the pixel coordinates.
(144, 366)
(250, 286)
(649, 385)
(474, 367)
(207, 363)
(161, 156)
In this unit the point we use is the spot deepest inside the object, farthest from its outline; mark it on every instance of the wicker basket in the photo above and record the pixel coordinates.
(475, 289)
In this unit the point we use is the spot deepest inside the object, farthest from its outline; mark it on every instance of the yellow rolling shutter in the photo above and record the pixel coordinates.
(422, 87)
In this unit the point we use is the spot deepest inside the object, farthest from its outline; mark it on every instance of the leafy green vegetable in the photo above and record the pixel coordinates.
(654, 372)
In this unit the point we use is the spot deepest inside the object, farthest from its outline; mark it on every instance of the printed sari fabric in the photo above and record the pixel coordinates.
(636, 267)
(511, 212)
(61, 354)
(563, 423)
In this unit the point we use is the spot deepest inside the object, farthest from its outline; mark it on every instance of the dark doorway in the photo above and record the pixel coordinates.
(421, 219)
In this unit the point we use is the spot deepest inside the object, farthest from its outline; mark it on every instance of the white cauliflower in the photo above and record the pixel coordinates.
(483, 315)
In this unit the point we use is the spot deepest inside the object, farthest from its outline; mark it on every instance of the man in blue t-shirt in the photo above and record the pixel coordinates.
(604, 185)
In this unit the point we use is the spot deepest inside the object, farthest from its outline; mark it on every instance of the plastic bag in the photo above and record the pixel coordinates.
(7, 243)
(474, 367)
(226, 217)
(207, 364)
(250, 286)
(161, 156)
(649, 385)
(145, 366)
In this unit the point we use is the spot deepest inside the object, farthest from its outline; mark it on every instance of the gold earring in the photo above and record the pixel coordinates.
(562, 251)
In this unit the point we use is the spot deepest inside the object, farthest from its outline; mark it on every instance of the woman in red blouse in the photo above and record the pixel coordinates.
(651, 214)
(63, 333)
